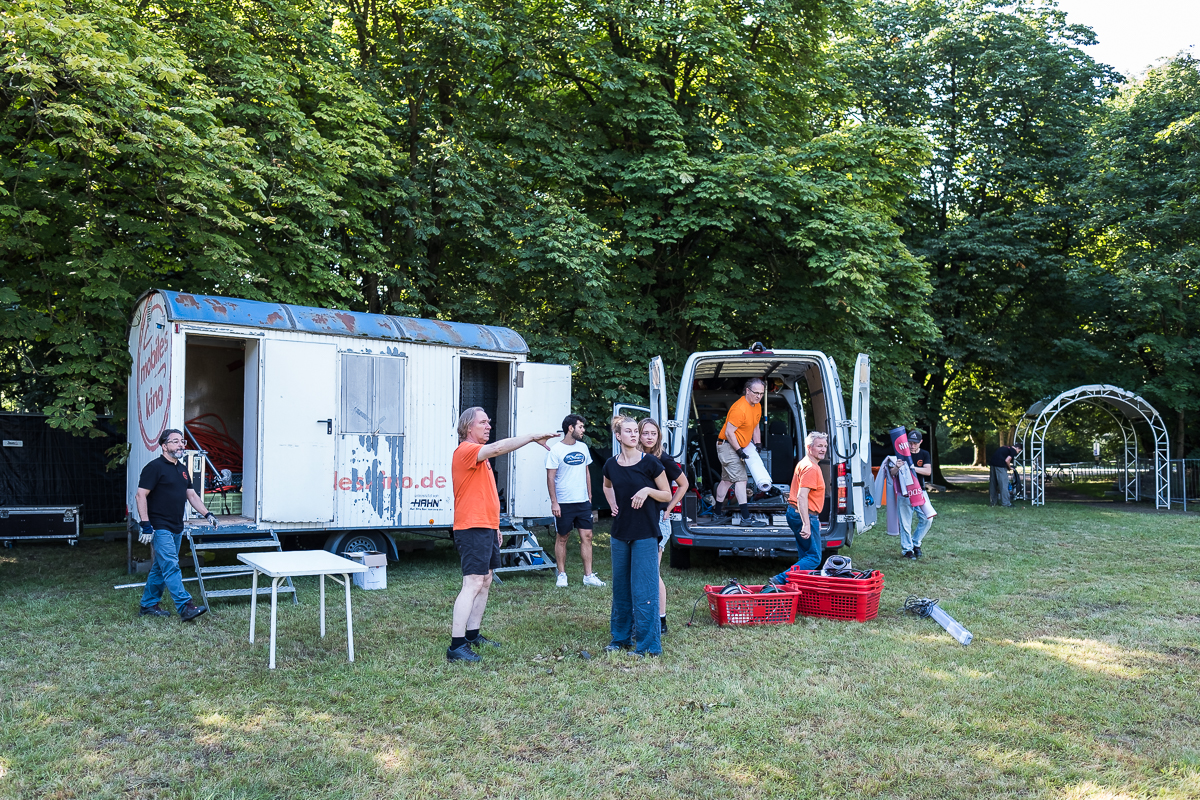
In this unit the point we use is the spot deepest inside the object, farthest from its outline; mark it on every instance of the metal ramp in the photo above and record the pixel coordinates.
(203, 540)
(521, 551)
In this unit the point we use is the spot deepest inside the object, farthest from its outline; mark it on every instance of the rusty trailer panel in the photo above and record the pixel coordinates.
(186, 307)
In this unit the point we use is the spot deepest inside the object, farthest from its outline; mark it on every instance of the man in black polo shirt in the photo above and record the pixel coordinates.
(163, 488)
(1001, 462)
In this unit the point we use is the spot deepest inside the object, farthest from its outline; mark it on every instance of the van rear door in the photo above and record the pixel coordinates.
(658, 402)
(543, 400)
(860, 458)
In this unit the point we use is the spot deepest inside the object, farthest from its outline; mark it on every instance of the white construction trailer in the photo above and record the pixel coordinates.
(346, 422)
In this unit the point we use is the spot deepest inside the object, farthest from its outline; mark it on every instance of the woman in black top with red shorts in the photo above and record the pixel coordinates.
(634, 484)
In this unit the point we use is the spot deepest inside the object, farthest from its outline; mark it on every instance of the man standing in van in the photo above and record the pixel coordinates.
(477, 525)
(570, 485)
(739, 432)
(164, 489)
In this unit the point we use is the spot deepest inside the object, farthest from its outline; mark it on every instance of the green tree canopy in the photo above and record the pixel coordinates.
(613, 180)
(1142, 274)
(1005, 95)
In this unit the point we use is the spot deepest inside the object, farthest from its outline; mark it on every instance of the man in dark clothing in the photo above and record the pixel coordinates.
(163, 488)
(1001, 462)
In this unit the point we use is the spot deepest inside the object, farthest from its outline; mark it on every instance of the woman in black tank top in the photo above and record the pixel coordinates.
(634, 485)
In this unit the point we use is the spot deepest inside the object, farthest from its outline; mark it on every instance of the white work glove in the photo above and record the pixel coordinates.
(147, 534)
(211, 517)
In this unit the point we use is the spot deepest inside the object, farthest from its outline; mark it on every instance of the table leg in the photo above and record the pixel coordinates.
(274, 603)
(322, 605)
(349, 617)
(253, 603)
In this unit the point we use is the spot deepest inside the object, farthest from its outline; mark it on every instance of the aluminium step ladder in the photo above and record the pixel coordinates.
(216, 540)
(521, 550)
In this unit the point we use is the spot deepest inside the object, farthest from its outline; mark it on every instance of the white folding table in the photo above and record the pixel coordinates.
(292, 564)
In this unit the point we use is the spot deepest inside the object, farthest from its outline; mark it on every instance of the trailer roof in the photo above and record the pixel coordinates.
(184, 307)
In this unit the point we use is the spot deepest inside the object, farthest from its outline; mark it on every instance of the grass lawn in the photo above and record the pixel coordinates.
(1081, 683)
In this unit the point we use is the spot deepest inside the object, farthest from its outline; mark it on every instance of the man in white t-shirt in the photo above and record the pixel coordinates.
(570, 485)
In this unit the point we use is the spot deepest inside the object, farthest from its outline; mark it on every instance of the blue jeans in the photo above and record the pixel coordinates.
(164, 572)
(635, 595)
(923, 523)
(808, 551)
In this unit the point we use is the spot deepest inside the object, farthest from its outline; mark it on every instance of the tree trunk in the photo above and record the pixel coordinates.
(935, 457)
(979, 440)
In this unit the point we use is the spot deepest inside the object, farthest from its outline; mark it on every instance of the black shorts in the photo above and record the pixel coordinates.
(574, 515)
(478, 550)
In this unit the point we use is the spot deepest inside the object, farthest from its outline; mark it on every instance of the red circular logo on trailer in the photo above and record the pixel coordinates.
(152, 365)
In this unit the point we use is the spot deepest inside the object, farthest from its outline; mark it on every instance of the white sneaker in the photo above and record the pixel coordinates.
(562, 580)
(592, 580)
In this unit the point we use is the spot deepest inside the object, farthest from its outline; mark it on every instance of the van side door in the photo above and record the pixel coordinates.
(627, 410)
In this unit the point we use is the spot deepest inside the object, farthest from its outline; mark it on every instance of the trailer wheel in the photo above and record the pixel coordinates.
(358, 542)
(680, 557)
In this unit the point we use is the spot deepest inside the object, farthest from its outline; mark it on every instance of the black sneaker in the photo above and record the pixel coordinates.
(481, 640)
(462, 653)
(775, 581)
(153, 611)
(616, 647)
(908, 554)
(663, 624)
(916, 552)
(190, 611)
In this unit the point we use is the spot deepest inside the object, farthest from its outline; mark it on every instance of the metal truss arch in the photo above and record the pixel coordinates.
(1127, 410)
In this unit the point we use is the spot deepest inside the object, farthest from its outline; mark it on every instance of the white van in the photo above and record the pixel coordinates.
(345, 422)
(804, 393)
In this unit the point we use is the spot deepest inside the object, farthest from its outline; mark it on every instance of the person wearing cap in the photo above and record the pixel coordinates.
(923, 468)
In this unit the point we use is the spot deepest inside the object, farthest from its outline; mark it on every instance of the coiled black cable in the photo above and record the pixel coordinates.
(921, 606)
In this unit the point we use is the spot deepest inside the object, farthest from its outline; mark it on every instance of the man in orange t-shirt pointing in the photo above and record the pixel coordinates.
(739, 432)
(477, 525)
(805, 502)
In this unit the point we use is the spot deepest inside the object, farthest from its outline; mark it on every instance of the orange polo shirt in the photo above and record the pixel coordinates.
(476, 503)
(744, 418)
(808, 476)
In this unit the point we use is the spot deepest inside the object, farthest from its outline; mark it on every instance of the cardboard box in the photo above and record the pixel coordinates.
(376, 575)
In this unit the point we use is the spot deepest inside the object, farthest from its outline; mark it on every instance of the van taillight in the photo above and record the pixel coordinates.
(678, 509)
(841, 484)
(681, 540)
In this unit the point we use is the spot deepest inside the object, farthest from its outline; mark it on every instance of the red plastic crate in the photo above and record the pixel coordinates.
(837, 598)
(773, 608)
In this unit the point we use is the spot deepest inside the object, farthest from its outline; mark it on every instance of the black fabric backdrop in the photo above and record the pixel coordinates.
(54, 468)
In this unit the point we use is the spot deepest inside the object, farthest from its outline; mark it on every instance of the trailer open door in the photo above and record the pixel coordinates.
(298, 444)
(543, 400)
(860, 458)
